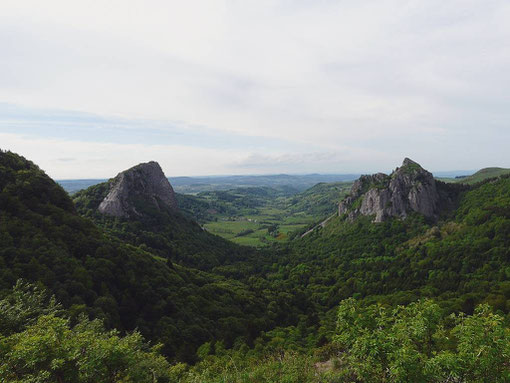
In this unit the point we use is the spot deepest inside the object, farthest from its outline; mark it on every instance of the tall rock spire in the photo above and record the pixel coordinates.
(410, 188)
(140, 187)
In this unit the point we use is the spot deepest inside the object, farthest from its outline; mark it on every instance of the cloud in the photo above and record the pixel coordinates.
(309, 162)
(381, 78)
(66, 159)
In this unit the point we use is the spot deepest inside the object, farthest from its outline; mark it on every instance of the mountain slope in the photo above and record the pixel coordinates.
(320, 200)
(136, 271)
(161, 229)
(461, 260)
(43, 239)
(410, 188)
(142, 187)
(483, 174)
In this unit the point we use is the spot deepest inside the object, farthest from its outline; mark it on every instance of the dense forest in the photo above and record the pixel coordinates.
(127, 285)
(91, 298)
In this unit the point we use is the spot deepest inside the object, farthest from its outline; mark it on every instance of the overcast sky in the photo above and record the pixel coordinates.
(89, 88)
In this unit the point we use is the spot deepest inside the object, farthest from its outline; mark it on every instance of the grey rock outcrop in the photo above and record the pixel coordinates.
(144, 184)
(410, 188)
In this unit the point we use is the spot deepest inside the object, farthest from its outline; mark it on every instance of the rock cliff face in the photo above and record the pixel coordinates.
(410, 188)
(144, 185)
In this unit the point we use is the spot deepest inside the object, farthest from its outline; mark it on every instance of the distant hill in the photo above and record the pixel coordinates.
(320, 200)
(453, 173)
(298, 182)
(163, 230)
(72, 186)
(193, 185)
(482, 175)
(460, 260)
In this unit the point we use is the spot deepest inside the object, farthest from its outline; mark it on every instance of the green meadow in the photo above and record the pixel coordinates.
(260, 216)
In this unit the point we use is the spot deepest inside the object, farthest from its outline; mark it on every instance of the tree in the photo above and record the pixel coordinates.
(36, 345)
(24, 305)
(417, 343)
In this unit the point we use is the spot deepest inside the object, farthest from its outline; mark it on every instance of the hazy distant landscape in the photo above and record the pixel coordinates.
(260, 210)
(194, 185)
(299, 183)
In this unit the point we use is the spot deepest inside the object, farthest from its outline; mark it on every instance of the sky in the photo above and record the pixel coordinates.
(90, 88)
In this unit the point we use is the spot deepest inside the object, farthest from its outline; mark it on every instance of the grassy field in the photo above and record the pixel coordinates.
(259, 230)
(261, 216)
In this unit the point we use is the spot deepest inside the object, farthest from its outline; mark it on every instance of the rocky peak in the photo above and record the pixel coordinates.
(410, 188)
(142, 185)
(410, 163)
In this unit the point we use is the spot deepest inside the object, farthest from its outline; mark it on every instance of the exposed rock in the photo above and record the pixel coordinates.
(142, 185)
(410, 188)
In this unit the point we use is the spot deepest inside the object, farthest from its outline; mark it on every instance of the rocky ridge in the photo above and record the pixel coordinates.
(409, 188)
(142, 185)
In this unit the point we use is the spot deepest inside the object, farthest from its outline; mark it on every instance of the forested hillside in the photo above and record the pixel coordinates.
(462, 260)
(168, 234)
(122, 282)
(353, 301)
(483, 174)
(457, 265)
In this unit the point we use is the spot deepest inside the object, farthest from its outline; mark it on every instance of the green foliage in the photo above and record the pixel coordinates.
(483, 348)
(46, 348)
(483, 175)
(460, 261)
(417, 343)
(374, 343)
(411, 167)
(246, 314)
(166, 233)
(121, 275)
(288, 367)
(23, 306)
(320, 200)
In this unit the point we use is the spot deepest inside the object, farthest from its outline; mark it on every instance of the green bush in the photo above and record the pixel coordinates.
(418, 343)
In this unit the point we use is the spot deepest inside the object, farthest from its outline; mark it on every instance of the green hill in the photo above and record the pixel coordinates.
(399, 261)
(406, 277)
(320, 200)
(168, 234)
(354, 301)
(118, 274)
(483, 174)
